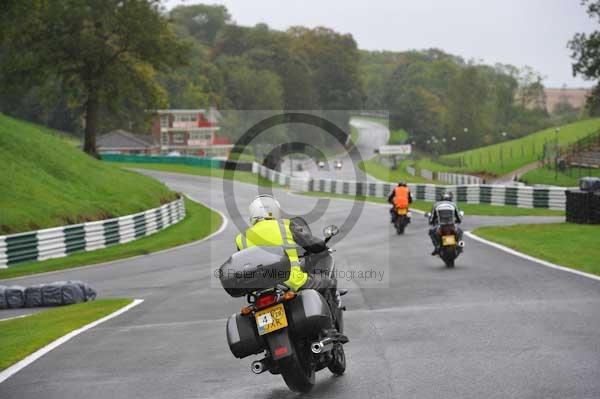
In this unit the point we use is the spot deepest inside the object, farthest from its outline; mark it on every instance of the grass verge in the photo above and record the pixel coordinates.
(398, 136)
(469, 209)
(23, 336)
(548, 242)
(354, 134)
(569, 178)
(199, 222)
(244, 177)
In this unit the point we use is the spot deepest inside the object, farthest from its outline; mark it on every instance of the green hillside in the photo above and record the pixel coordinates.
(47, 181)
(501, 158)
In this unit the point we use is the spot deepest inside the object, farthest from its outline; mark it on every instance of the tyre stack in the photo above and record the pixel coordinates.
(54, 294)
(583, 205)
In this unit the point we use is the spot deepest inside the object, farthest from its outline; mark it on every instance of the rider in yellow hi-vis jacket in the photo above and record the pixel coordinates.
(269, 230)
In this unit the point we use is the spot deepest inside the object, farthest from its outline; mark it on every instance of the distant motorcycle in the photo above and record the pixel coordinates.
(451, 246)
(299, 332)
(401, 219)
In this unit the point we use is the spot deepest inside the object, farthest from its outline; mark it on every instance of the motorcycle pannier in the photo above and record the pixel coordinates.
(242, 336)
(309, 313)
(254, 268)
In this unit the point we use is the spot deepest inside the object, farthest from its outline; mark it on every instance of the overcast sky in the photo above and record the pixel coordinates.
(518, 32)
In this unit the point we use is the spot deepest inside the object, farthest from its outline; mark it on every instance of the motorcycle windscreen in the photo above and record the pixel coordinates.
(254, 269)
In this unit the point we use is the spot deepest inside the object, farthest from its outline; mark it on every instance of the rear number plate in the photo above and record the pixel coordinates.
(271, 319)
(448, 240)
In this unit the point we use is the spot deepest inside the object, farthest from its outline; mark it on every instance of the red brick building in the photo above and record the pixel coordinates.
(189, 132)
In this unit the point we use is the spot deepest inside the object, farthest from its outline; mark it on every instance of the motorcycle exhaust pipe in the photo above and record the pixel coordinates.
(461, 244)
(322, 346)
(259, 366)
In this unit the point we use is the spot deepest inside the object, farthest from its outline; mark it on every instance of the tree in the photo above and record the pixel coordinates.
(106, 54)
(203, 22)
(586, 53)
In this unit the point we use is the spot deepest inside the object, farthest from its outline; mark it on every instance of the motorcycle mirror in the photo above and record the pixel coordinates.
(427, 215)
(330, 231)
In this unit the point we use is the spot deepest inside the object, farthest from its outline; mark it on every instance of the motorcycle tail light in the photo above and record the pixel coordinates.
(266, 300)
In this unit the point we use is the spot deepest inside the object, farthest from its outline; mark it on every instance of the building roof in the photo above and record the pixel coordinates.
(122, 139)
(180, 111)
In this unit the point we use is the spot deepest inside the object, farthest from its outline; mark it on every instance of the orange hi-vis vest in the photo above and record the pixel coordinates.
(401, 197)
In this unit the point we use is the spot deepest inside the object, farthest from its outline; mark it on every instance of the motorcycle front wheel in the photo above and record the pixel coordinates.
(399, 226)
(297, 370)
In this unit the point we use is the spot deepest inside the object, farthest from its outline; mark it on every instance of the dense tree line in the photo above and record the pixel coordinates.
(586, 53)
(448, 104)
(81, 67)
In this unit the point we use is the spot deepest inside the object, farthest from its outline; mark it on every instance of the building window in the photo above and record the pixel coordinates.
(186, 118)
(164, 121)
(200, 136)
(178, 138)
(164, 139)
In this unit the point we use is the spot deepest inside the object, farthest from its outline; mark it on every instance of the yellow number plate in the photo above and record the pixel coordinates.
(271, 319)
(448, 240)
(402, 211)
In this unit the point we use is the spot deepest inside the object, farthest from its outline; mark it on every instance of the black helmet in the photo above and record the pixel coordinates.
(402, 183)
(447, 196)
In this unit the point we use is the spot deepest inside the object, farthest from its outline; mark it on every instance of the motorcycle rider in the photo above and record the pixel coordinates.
(399, 197)
(268, 229)
(446, 200)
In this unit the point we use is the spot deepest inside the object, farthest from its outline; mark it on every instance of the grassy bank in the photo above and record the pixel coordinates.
(23, 336)
(199, 222)
(501, 158)
(569, 178)
(47, 182)
(580, 251)
(469, 209)
(244, 177)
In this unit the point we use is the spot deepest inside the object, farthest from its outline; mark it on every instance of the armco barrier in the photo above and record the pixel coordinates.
(62, 241)
(455, 178)
(521, 196)
(181, 160)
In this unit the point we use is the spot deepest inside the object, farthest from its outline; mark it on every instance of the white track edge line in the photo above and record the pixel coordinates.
(21, 364)
(189, 244)
(531, 258)
(16, 317)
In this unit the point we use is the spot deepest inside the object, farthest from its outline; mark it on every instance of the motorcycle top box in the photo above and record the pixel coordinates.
(253, 269)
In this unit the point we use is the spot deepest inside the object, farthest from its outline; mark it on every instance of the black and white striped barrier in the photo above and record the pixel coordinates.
(521, 196)
(62, 241)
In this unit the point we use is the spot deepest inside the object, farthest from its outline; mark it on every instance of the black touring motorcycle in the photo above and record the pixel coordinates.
(299, 332)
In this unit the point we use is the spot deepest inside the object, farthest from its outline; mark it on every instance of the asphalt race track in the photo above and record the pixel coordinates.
(496, 326)
(372, 136)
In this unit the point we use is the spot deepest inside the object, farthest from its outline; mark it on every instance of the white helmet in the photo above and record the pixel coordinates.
(264, 207)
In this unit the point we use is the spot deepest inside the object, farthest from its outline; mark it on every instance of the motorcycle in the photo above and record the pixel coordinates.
(451, 246)
(300, 332)
(401, 219)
